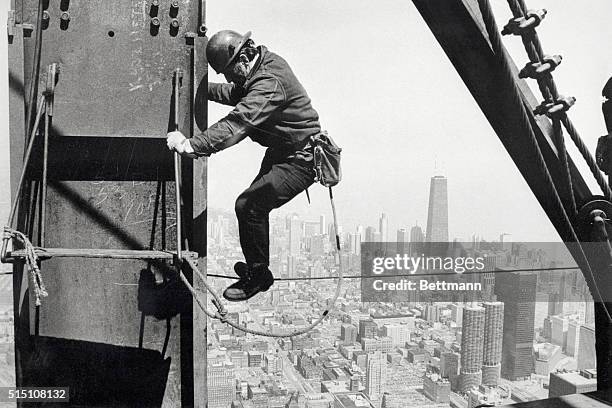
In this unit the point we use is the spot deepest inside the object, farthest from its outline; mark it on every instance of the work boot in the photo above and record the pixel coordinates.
(258, 279)
(241, 269)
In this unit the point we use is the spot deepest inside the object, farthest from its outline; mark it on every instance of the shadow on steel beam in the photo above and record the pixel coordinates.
(98, 374)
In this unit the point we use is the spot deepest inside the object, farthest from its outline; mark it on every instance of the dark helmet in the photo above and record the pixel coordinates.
(223, 48)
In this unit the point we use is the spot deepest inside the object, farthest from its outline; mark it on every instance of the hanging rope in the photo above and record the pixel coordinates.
(512, 87)
(221, 313)
(31, 258)
(409, 275)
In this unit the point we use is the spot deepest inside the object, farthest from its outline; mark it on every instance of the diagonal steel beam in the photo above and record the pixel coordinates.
(458, 27)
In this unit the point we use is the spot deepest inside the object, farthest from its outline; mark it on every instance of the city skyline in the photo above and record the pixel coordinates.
(391, 144)
(437, 347)
(404, 121)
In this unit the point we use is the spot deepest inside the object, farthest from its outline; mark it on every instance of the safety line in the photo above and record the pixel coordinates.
(403, 275)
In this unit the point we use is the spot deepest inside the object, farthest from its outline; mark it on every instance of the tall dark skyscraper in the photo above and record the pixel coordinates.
(518, 292)
(416, 240)
(437, 214)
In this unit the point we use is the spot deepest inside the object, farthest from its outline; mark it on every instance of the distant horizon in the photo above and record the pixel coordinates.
(402, 114)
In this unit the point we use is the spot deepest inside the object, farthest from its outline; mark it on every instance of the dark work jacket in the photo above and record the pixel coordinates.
(272, 108)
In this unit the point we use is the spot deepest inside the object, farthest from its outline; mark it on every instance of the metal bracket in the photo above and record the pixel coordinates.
(202, 23)
(28, 29)
(10, 25)
(598, 205)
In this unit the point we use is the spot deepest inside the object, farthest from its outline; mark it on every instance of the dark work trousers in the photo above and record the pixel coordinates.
(279, 180)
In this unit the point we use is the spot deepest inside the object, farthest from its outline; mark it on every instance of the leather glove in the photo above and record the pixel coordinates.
(179, 143)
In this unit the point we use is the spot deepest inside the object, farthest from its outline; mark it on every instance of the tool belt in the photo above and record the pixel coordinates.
(326, 159)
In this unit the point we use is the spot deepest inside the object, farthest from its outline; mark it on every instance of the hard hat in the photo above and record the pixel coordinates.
(224, 47)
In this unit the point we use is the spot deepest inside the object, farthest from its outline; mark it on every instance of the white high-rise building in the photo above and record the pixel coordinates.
(398, 332)
(383, 228)
(376, 375)
(573, 338)
(221, 385)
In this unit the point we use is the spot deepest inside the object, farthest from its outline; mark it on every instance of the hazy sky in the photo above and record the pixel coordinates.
(389, 96)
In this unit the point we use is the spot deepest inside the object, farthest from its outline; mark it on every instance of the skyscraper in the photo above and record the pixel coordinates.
(449, 367)
(572, 343)
(518, 292)
(291, 266)
(348, 333)
(221, 385)
(416, 240)
(402, 241)
(398, 332)
(295, 232)
(472, 347)
(437, 213)
(586, 348)
(376, 375)
(369, 234)
(367, 329)
(354, 244)
(361, 232)
(383, 227)
(322, 225)
(492, 349)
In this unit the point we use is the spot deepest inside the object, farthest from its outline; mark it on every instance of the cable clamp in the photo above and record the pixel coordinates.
(221, 313)
(523, 25)
(7, 234)
(561, 105)
(536, 70)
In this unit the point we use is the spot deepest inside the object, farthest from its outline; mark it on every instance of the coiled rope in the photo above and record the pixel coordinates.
(221, 312)
(36, 281)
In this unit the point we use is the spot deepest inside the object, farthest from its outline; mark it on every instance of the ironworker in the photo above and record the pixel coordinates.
(274, 110)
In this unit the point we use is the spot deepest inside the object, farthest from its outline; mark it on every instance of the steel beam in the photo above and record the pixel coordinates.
(458, 26)
(130, 341)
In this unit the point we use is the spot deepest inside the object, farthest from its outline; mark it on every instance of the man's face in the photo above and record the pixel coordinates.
(238, 71)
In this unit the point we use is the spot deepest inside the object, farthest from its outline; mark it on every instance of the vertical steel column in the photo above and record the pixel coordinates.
(198, 95)
(106, 161)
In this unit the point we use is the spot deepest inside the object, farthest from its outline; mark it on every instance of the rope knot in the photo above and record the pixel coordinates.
(221, 315)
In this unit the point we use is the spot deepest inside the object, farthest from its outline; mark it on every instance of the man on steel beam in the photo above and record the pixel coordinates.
(274, 110)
